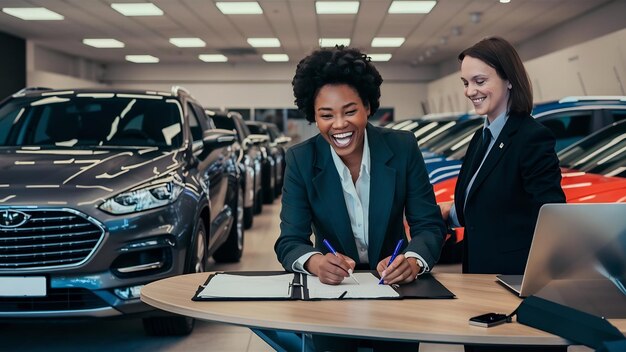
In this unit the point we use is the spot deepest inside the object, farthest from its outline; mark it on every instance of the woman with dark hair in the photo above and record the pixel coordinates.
(352, 183)
(510, 168)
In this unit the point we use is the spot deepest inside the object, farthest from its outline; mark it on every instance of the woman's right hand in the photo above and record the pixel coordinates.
(330, 269)
(445, 209)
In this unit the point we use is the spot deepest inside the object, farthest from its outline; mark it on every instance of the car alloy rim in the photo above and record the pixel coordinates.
(200, 245)
(240, 220)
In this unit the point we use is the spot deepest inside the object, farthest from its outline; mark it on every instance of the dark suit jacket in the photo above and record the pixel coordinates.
(520, 174)
(313, 201)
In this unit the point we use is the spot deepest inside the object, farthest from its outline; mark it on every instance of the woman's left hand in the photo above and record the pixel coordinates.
(401, 271)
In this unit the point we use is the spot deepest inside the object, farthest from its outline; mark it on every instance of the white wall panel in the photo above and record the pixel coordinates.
(596, 67)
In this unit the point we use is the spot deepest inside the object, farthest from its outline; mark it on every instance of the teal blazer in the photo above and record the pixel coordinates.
(313, 201)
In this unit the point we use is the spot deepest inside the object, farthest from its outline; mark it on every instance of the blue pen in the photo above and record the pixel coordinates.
(393, 256)
(333, 251)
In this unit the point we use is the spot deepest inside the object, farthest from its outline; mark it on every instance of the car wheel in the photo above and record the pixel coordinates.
(278, 188)
(232, 249)
(268, 187)
(178, 325)
(248, 217)
(258, 202)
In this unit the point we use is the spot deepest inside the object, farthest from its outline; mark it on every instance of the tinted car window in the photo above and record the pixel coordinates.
(70, 121)
(425, 134)
(256, 129)
(224, 122)
(618, 115)
(194, 124)
(569, 126)
(603, 153)
(455, 138)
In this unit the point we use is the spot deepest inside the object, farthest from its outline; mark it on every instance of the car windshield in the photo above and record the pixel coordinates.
(257, 129)
(602, 153)
(91, 120)
(224, 122)
(432, 129)
(454, 141)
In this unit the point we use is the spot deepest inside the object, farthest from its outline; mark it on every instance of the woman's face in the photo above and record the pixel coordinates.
(341, 118)
(487, 91)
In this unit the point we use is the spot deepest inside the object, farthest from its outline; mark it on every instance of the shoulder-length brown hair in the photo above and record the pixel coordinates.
(502, 56)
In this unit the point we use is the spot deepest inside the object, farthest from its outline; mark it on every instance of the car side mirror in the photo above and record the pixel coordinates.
(217, 138)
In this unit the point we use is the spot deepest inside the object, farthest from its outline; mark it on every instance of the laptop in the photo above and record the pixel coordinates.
(578, 250)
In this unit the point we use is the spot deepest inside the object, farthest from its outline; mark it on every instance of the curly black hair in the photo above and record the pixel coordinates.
(338, 65)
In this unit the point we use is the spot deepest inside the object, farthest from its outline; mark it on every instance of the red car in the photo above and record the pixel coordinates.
(579, 187)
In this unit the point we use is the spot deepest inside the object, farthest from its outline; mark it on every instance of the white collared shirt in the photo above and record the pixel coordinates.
(357, 198)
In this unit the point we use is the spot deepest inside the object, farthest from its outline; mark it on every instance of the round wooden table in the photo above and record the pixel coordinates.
(424, 320)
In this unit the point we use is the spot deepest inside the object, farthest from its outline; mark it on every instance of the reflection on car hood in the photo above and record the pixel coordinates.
(579, 187)
(440, 168)
(582, 187)
(67, 177)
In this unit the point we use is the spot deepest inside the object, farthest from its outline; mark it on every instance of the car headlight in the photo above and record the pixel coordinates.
(154, 195)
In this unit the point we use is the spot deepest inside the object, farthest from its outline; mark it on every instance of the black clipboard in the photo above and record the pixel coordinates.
(425, 287)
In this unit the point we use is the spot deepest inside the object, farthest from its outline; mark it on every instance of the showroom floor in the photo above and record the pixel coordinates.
(127, 334)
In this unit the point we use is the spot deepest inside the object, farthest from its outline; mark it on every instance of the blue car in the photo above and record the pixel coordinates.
(443, 153)
(570, 119)
(573, 118)
(438, 136)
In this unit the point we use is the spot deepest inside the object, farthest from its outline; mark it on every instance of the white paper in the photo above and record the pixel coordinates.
(368, 288)
(240, 286)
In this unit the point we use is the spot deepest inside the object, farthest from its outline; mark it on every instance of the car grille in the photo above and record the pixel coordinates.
(50, 238)
(56, 299)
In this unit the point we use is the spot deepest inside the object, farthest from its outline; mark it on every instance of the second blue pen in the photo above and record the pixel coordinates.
(393, 256)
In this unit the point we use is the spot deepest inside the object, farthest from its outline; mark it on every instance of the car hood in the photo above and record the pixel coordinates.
(579, 187)
(76, 176)
(444, 190)
(582, 187)
(440, 169)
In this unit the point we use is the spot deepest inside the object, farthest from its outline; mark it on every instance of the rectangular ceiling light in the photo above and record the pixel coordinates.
(188, 42)
(240, 8)
(264, 42)
(213, 58)
(137, 9)
(398, 6)
(142, 59)
(103, 43)
(380, 57)
(33, 13)
(336, 7)
(275, 57)
(380, 42)
(331, 42)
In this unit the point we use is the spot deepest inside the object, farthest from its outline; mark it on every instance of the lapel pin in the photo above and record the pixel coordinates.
(501, 145)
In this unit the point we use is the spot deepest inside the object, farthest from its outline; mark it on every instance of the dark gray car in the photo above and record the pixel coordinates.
(103, 191)
(250, 159)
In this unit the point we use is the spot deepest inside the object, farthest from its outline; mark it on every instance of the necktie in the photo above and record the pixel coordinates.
(480, 153)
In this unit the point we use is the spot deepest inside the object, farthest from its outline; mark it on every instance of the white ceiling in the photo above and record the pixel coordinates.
(294, 22)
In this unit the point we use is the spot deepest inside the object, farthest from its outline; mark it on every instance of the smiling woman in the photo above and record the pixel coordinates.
(352, 184)
(510, 169)
(341, 118)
